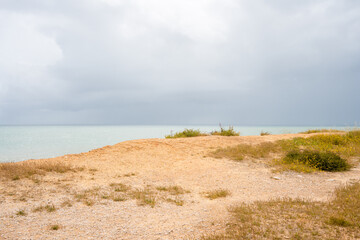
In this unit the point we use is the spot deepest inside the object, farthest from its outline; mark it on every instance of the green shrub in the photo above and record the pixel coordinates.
(186, 133)
(224, 132)
(326, 161)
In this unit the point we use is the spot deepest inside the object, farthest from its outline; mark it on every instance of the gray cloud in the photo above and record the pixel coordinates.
(179, 62)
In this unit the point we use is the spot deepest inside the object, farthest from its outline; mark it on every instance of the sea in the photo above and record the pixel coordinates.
(18, 143)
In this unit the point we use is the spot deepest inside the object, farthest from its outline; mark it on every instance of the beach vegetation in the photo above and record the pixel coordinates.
(326, 161)
(49, 208)
(173, 190)
(218, 193)
(120, 187)
(55, 227)
(264, 133)
(321, 131)
(241, 151)
(327, 152)
(296, 218)
(187, 133)
(144, 197)
(226, 132)
(20, 170)
(177, 201)
(21, 213)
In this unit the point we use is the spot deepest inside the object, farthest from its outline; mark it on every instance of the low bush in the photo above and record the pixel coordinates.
(326, 161)
(224, 132)
(264, 133)
(186, 133)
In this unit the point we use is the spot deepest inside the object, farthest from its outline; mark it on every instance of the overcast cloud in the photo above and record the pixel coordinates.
(264, 62)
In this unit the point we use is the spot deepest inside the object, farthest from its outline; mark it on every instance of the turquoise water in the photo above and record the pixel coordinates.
(19, 143)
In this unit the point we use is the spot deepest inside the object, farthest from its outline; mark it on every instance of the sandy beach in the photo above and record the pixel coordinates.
(103, 198)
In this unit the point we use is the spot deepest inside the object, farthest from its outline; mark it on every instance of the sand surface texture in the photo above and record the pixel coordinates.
(100, 201)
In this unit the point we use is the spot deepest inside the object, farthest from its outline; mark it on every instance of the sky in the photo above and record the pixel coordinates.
(236, 62)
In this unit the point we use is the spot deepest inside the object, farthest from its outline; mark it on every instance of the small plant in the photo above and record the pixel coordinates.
(173, 190)
(144, 197)
(55, 227)
(338, 222)
(326, 161)
(21, 213)
(15, 178)
(119, 199)
(224, 132)
(186, 133)
(129, 174)
(48, 208)
(219, 193)
(264, 133)
(66, 203)
(176, 201)
(120, 187)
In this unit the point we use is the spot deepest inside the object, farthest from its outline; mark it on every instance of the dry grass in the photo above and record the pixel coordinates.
(144, 197)
(20, 170)
(320, 131)
(218, 193)
(177, 201)
(119, 192)
(48, 208)
(297, 219)
(89, 196)
(238, 152)
(173, 190)
(120, 187)
(129, 174)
